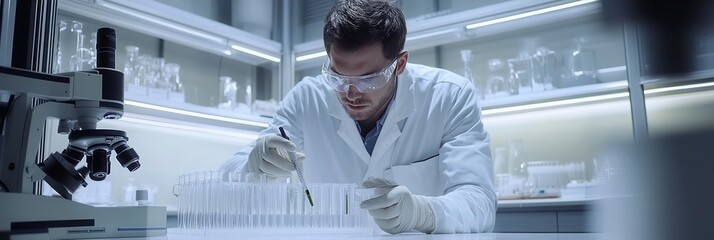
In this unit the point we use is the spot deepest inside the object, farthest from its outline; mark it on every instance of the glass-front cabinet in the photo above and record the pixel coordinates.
(216, 58)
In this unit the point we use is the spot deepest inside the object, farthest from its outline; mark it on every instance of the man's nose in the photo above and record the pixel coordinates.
(352, 93)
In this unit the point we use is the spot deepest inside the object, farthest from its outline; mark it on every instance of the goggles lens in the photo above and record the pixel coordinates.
(365, 84)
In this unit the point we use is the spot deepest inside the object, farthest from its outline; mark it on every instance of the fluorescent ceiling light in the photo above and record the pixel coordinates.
(255, 53)
(432, 34)
(554, 103)
(195, 114)
(208, 130)
(528, 14)
(676, 88)
(227, 52)
(311, 56)
(165, 23)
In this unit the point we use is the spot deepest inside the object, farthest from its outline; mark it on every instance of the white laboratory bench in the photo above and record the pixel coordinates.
(550, 215)
(181, 234)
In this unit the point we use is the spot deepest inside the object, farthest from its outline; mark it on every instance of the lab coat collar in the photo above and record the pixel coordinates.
(400, 108)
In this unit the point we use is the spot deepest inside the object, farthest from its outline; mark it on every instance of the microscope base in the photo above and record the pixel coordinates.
(25, 216)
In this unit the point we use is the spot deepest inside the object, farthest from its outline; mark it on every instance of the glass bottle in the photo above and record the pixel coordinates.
(466, 57)
(75, 61)
(131, 66)
(62, 29)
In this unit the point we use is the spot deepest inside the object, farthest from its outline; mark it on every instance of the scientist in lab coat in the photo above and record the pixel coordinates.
(371, 118)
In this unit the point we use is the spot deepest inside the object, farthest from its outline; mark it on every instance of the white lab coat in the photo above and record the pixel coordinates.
(434, 112)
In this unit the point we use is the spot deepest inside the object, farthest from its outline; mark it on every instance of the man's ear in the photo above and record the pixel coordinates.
(402, 62)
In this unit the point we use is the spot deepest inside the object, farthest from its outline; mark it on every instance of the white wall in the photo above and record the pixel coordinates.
(165, 154)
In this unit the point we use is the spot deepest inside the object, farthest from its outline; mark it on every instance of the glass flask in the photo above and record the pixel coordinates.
(545, 69)
(498, 75)
(580, 67)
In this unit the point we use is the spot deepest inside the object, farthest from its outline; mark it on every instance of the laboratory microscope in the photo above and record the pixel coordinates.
(79, 100)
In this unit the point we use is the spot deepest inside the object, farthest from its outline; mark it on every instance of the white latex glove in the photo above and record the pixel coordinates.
(270, 155)
(398, 210)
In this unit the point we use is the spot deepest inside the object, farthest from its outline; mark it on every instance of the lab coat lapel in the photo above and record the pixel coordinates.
(347, 130)
(401, 109)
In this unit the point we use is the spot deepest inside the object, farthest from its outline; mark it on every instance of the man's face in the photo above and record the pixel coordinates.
(366, 60)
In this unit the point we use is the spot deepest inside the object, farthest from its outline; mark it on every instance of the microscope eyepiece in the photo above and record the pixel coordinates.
(106, 48)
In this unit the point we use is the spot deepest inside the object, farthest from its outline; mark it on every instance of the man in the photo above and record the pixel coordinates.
(371, 118)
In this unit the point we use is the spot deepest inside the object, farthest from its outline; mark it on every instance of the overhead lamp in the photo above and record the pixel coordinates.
(528, 14)
(255, 53)
(195, 114)
(554, 103)
(165, 23)
(311, 56)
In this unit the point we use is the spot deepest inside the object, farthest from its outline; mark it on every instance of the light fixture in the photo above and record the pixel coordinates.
(311, 56)
(557, 103)
(195, 114)
(165, 23)
(227, 52)
(528, 14)
(677, 88)
(208, 130)
(433, 34)
(255, 53)
(612, 69)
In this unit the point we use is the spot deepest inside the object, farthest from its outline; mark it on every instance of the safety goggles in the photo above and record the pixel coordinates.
(366, 83)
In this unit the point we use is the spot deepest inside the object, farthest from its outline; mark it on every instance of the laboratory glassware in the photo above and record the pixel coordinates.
(498, 76)
(466, 57)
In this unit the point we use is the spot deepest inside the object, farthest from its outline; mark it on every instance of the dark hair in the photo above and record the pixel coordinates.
(352, 24)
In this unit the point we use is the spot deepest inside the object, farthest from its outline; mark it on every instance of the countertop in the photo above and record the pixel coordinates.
(180, 234)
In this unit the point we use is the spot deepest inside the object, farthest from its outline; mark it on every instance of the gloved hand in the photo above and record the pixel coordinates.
(398, 210)
(270, 155)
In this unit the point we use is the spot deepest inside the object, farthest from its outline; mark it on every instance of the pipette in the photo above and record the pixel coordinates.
(293, 159)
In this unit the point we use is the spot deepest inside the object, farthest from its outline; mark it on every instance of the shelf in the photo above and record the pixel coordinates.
(694, 80)
(162, 21)
(509, 16)
(554, 98)
(546, 202)
(194, 113)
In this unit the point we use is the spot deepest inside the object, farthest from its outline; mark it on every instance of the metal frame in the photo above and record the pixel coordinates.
(634, 79)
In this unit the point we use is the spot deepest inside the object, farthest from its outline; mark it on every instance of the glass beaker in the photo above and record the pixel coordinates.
(580, 66)
(500, 159)
(172, 78)
(497, 78)
(515, 158)
(228, 91)
(545, 69)
(131, 66)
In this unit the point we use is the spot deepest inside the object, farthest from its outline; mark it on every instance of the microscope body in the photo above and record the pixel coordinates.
(79, 100)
